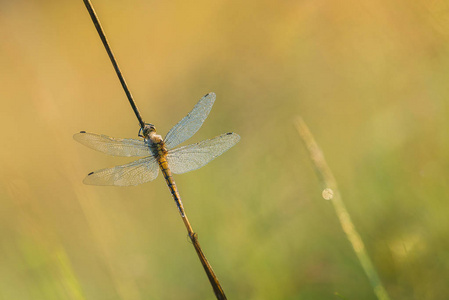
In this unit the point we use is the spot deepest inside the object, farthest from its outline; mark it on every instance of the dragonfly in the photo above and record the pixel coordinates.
(159, 153)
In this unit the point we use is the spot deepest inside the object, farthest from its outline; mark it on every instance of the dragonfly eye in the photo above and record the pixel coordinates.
(145, 132)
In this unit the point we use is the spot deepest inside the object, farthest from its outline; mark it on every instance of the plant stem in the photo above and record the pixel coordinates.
(100, 31)
(331, 192)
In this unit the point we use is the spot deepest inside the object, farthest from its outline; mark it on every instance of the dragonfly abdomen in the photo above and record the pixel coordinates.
(163, 164)
(171, 183)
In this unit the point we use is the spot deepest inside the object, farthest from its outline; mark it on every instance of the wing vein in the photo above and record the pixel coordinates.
(194, 156)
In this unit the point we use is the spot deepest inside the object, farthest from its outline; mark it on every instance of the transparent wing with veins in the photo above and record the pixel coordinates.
(112, 146)
(134, 173)
(190, 124)
(137, 172)
(194, 156)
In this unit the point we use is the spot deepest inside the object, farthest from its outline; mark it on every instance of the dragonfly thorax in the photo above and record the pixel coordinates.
(156, 144)
(155, 138)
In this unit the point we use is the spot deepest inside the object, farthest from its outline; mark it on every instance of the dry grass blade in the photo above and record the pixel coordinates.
(104, 40)
(219, 293)
(331, 192)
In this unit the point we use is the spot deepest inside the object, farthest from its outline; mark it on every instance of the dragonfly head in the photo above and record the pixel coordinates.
(147, 130)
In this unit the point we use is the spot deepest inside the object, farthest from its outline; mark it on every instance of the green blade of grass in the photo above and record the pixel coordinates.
(331, 192)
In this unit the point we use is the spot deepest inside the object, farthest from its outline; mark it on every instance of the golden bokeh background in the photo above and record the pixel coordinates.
(369, 78)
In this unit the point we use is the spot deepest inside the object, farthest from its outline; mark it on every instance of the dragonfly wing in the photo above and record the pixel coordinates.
(112, 146)
(190, 124)
(192, 157)
(134, 173)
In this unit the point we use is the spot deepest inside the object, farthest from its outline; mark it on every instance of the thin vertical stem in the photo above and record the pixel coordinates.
(100, 31)
(331, 192)
(218, 290)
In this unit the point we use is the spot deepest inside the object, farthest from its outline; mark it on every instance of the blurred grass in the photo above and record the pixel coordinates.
(369, 78)
(330, 191)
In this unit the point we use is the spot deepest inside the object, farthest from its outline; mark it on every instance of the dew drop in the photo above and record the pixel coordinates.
(327, 194)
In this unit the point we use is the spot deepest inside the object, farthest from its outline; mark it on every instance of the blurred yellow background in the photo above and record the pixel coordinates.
(369, 78)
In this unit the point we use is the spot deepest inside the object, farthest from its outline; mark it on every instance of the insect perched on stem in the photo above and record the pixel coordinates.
(159, 152)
